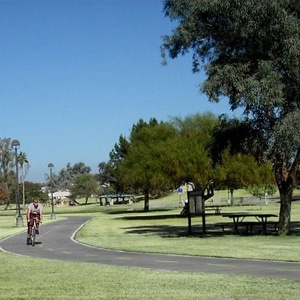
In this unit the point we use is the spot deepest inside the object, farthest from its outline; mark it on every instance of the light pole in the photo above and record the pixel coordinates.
(19, 219)
(50, 166)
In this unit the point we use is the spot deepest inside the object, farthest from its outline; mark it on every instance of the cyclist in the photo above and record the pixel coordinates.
(34, 211)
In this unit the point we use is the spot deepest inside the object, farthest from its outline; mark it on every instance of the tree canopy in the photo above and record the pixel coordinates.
(65, 177)
(84, 185)
(158, 157)
(142, 168)
(250, 52)
(190, 148)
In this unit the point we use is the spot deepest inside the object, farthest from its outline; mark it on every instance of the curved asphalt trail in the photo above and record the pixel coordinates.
(57, 242)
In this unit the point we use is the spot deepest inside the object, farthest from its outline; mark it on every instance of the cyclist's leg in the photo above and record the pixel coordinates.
(30, 225)
(33, 234)
(37, 225)
(29, 230)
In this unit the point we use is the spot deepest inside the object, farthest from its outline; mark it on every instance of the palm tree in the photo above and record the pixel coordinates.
(23, 161)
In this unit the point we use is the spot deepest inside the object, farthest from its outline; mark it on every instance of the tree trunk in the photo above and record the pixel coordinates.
(146, 202)
(286, 179)
(23, 192)
(285, 209)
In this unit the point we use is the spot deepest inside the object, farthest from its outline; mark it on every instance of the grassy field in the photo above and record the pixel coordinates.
(161, 230)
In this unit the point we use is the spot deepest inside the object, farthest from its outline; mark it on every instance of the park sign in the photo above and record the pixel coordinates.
(196, 207)
(180, 191)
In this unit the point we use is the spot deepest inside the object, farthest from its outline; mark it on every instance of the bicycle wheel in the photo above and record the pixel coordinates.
(33, 237)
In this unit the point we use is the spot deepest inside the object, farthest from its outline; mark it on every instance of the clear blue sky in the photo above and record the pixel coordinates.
(75, 75)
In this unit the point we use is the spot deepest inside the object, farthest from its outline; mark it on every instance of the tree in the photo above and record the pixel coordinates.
(78, 169)
(84, 185)
(105, 173)
(262, 191)
(187, 157)
(4, 196)
(6, 169)
(235, 136)
(63, 180)
(117, 157)
(241, 171)
(34, 190)
(120, 151)
(24, 164)
(235, 145)
(142, 169)
(249, 51)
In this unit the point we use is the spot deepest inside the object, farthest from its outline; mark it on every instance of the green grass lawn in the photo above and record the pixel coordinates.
(126, 227)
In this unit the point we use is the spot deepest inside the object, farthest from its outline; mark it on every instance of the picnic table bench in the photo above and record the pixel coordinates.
(260, 219)
(116, 199)
(247, 225)
(215, 208)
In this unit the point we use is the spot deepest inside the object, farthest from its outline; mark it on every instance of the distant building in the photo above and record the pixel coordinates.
(60, 196)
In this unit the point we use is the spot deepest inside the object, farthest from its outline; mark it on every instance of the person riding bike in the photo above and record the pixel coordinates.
(34, 211)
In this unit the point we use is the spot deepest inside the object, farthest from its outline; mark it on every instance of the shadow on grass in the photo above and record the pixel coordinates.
(167, 231)
(134, 211)
(150, 217)
(295, 229)
(163, 230)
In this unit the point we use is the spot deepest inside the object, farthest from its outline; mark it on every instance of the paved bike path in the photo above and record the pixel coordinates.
(57, 242)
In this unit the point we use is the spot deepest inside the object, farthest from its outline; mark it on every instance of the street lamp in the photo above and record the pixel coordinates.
(19, 219)
(50, 166)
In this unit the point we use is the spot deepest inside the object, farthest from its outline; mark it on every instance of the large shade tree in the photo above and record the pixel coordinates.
(142, 167)
(234, 145)
(162, 156)
(187, 159)
(237, 137)
(250, 52)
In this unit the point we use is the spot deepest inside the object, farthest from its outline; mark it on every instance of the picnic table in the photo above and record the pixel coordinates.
(238, 219)
(215, 208)
(116, 199)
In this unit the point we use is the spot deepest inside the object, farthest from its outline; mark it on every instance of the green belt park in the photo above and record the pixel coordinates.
(162, 230)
